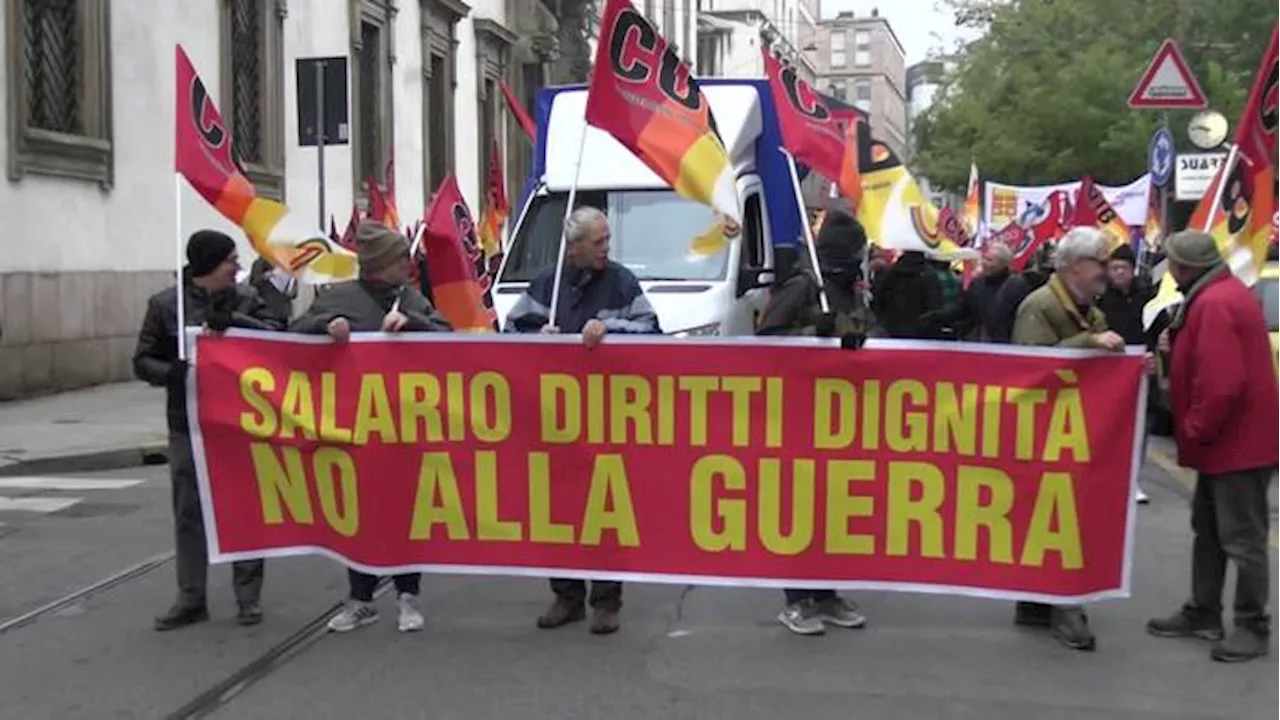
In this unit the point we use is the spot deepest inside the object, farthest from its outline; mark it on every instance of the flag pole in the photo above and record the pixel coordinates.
(1222, 183)
(413, 252)
(568, 210)
(808, 231)
(178, 257)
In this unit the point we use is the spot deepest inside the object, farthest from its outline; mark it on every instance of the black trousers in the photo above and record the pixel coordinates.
(1230, 519)
(363, 584)
(794, 596)
(191, 554)
(604, 593)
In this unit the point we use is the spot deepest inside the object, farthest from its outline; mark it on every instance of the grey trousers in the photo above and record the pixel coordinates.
(191, 553)
(1230, 519)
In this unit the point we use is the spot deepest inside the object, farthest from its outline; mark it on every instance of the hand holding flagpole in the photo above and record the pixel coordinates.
(808, 231)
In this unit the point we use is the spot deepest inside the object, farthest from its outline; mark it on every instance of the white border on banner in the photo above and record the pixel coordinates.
(822, 344)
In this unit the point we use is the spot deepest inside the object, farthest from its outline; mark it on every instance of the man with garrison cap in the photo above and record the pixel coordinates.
(1223, 396)
(380, 300)
(211, 298)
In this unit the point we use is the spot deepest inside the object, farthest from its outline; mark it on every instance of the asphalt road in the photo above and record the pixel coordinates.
(683, 652)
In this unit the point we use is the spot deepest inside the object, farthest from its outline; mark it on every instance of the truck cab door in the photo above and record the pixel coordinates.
(753, 273)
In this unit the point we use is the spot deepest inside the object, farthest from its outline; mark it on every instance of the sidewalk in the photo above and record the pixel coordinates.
(99, 428)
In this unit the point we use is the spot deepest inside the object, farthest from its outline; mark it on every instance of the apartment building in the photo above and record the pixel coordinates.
(861, 61)
(732, 32)
(89, 200)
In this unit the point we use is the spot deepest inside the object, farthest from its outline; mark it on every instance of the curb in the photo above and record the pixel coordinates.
(92, 461)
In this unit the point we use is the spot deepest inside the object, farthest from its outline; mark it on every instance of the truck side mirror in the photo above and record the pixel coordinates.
(752, 278)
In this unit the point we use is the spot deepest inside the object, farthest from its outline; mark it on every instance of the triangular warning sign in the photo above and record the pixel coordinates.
(1168, 82)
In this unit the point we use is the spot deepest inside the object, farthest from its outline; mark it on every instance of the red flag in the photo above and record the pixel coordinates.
(643, 95)
(348, 239)
(455, 263)
(1241, 215)
(809, 130)
(381, 208)
(1093, 210)
(518, 112)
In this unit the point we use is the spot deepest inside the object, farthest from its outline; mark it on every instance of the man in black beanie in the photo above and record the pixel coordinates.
(212, 299)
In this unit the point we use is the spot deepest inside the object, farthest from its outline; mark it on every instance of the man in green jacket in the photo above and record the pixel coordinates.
(1063, 313)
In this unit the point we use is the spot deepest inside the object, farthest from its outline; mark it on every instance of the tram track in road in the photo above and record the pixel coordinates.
(129, 574)
(220, 694)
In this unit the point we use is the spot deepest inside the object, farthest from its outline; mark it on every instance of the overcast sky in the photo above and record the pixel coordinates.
(919, 25)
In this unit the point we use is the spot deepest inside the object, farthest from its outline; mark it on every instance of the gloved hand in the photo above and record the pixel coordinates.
(826, 325)
(852, 341)
(218, 319)
(178, 372)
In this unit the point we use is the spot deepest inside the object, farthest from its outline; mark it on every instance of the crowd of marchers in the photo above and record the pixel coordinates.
(1079, 293)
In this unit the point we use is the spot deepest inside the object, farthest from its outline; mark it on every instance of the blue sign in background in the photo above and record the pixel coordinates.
(1160, 155)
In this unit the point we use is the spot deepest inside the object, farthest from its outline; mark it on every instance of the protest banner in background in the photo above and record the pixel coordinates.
(993, 471)
(1006, 203)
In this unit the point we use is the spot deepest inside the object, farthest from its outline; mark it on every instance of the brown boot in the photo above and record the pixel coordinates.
(604, 621)
(561, 613)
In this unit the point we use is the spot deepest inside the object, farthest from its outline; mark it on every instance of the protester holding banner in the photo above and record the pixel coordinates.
(996, 259)
(380, 300)
(1224, 402)
(907, 298)
(1015, 290)
(597, 296)
(210, 298)
(1062, 314)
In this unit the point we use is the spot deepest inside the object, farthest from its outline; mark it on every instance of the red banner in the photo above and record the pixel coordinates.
(1000, 472)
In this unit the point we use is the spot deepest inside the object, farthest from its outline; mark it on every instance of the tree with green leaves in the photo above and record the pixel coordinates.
(1041, 95)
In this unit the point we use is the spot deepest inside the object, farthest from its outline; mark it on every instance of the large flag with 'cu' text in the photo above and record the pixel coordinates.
(203, 154)
(643, 95)
(455, 261)
(811, 131)
(1093, 210)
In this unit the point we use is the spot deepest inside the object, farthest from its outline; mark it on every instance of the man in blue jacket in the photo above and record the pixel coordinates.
(597, 297)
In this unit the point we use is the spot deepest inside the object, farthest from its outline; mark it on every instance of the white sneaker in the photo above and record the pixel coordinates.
(410, 619)
(1141, 497)
(354, 615)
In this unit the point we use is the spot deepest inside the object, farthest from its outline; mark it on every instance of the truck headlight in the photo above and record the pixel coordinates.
(699, 331)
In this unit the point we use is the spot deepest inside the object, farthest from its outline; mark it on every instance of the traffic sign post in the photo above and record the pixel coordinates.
(1168, 83)
(1160, 156)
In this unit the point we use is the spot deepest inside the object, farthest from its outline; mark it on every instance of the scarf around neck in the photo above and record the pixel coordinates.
(1213, 273)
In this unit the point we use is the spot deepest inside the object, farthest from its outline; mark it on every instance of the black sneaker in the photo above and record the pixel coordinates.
(250, 614)
(1242, 645)
(1070, 626)
(1187, 623)
(180, 616)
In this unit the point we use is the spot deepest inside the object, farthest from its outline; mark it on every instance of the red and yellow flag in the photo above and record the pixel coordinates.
(518, 112)
(455, 262)
(643, 95)
(972, 214)
(382, 207)
(495, 211)
(204, 155)
(1153, 228)
(810, 129)
(1093, 210)
(1240, 213)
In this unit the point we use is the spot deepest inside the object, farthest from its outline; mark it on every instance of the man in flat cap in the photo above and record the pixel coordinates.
(1224, 401)
(369, 304)
(211, 298)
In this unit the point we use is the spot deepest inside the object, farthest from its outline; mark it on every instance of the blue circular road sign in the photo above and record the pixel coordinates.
(1160, 157)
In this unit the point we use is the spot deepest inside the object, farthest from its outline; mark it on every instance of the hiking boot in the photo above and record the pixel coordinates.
(840, 612)
(355, 614)
(180, 616)
(604, 621)
(410, 619)
(1070, 626)
(1032, 614)
(1241, 645)
(802, 618)
(1187, 622)
(561, 613)
(250, 613)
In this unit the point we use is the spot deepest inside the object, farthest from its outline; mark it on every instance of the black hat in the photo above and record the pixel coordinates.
(841, 241)
(206, 250)
(1125, 253)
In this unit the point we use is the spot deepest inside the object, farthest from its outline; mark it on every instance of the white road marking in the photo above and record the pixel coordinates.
(63, 483)
(37, 504)
(67, 483)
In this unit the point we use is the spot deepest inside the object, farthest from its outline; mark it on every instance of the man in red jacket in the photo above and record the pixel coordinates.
(1224, 400)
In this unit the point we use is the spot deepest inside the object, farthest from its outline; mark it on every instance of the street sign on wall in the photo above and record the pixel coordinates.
(1194, 172)
(1167, 83)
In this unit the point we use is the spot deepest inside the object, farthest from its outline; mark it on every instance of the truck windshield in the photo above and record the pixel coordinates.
(1268, 292)
(655, 235)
